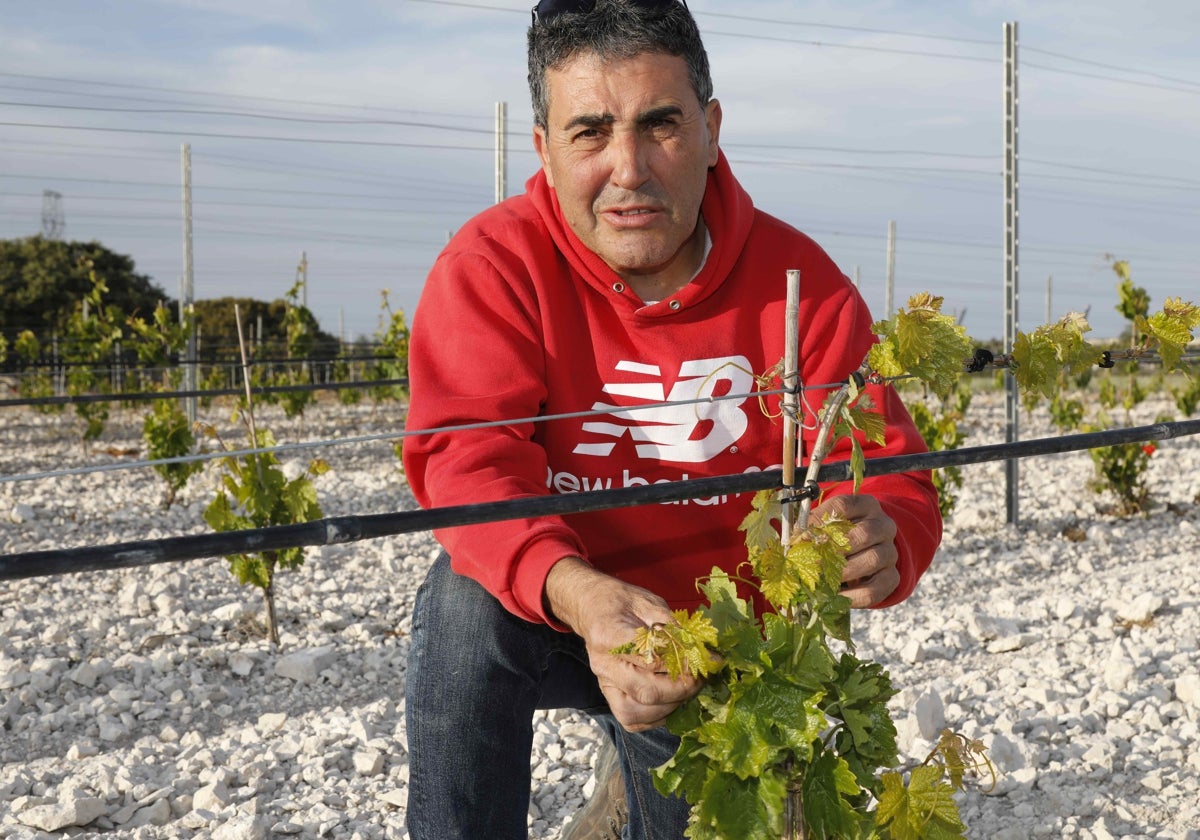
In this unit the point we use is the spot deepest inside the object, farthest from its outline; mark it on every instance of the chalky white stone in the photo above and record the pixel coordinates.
(132, 697)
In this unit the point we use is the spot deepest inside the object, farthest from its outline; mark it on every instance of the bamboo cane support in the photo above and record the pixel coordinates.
(793, 828)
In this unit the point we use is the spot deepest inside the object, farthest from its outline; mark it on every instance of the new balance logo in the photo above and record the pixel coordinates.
(688, 434)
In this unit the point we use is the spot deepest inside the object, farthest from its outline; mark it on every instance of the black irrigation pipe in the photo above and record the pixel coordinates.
(344, 529)
(216, 392)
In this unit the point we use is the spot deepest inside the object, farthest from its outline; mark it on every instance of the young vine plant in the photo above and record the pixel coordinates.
(791, 733)
(166, 429)
(256, 493)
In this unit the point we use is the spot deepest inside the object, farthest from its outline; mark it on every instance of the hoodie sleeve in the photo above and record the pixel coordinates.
(475, 358)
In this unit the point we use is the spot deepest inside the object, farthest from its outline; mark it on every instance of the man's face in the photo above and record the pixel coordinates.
(627, 149)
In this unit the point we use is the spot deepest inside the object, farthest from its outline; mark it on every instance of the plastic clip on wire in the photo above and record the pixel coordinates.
(810, 491)
(982, 358)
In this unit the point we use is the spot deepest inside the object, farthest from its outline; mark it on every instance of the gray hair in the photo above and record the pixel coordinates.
(614, 29)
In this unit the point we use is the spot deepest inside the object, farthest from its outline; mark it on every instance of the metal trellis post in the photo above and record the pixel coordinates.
(189, 286)
(1011, 265)
(501, 151)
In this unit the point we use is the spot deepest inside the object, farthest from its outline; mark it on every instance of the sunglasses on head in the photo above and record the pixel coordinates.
(547, 10)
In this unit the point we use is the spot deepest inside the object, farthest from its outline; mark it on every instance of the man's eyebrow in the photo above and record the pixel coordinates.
(589, 121)
(653, 115)
(659, 114)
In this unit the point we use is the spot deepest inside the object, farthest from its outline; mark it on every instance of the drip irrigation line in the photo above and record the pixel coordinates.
(344, 529)
(133, 396)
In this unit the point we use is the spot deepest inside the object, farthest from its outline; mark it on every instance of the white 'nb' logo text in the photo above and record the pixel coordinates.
(689, 433)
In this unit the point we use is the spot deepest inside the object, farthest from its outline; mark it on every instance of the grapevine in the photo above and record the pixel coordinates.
(255, 493)
(786, 738)
(39, 383)
(391, 353)
(300, 329)
(166, 429)
(93, 331)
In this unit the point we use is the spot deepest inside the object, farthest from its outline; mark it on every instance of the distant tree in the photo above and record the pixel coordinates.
(42, 282)
(218, 328)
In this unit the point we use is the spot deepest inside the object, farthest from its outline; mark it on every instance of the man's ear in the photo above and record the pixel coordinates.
(540, 145)
(712, 118)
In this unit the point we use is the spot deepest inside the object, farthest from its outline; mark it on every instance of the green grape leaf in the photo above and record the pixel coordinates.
(922, 342)
(859, 693)
(759, 523)
(300, 500)
(1174, 328)
(833, 615)
(738, 636)
(826, 783)
(884, 360)
(858, 463)
(1036, 366)
(683, 646)
(725, 608)
(740, 740)
(818, 553)
(1041, 356)
(684, 773)
(923, 811)
(777, 575)
(805, 562)
(872, 424)
(250, 569)
(798, 654)
(748, 809)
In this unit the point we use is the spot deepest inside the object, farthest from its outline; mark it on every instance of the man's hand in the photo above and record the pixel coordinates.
(870, 574)
(606, 612)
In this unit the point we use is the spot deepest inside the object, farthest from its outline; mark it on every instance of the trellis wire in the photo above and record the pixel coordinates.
(132, 366)
(134, 396)
(1000, 362)
(345, 529)
(388, 436)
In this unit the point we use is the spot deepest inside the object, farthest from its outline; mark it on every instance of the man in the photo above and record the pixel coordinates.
(634, 271)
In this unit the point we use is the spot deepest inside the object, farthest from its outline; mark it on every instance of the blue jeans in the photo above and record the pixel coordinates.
(476, 674)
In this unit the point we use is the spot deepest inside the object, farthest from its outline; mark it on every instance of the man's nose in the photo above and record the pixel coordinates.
(628, 152)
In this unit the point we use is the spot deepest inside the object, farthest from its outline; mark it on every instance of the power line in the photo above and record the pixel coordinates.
(854, 47)
(1030, 65)
(93, 95)
(267, 190)
(747, 19)
(1108, 66)
(856, 151)
(1107, 171)
(187, 92)
(868, 30)
(221, 136)
(109, 109)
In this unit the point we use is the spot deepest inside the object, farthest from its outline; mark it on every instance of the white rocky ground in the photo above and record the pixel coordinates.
(146, 704)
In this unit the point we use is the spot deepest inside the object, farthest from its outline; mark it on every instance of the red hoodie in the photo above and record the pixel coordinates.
(519, 319)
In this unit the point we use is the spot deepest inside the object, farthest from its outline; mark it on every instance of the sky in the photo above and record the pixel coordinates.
(361, 133)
